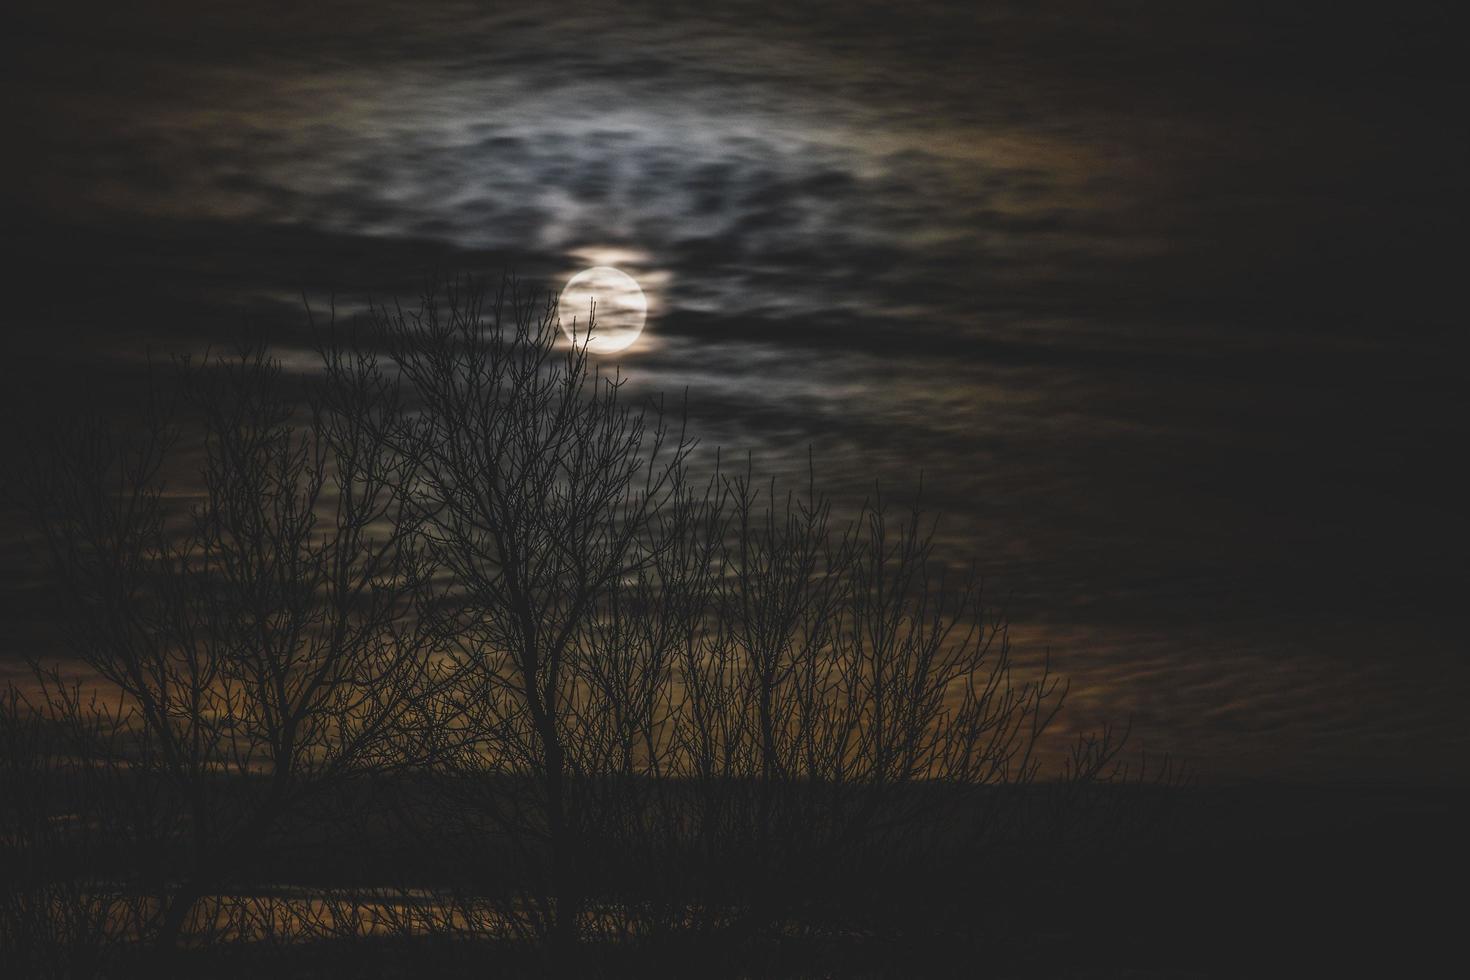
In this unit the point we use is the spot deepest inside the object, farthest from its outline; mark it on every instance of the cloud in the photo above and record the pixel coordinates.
(1165, 306)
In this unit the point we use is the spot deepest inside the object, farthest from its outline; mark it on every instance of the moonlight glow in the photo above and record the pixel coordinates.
(611, 300)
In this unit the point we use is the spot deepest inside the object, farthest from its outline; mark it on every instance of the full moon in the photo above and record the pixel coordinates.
(612, 300)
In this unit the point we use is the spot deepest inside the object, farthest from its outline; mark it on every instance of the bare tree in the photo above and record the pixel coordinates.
(618, 697)
(260, 633)
(654, 674)
(840, 697)
(538, 487)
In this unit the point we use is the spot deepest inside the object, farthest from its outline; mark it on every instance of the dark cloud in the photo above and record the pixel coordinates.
(1162, 300)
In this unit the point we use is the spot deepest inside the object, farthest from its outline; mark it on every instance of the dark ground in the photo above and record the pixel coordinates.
(1247, 881)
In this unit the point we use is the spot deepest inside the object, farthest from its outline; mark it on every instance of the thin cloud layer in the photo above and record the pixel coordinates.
(1161, 306)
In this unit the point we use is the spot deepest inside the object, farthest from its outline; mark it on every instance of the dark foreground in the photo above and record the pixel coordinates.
(1248, 881)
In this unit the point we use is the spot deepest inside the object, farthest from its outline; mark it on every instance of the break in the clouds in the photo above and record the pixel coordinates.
(1162, 306)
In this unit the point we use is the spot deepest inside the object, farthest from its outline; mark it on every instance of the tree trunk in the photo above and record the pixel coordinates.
(166, 944)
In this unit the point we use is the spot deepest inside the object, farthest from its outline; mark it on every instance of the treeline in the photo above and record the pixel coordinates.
(458, 596)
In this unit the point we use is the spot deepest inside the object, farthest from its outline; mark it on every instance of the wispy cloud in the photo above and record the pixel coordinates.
(1162, 310)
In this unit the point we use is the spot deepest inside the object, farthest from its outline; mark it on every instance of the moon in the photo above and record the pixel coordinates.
(613, 301)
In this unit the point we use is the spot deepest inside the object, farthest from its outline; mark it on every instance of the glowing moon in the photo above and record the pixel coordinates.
(615, 302)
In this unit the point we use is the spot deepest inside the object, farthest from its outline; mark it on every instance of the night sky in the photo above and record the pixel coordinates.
(1164, 300)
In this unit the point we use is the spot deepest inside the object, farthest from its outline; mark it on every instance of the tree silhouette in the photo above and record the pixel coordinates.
(260, 635)
(538, 490)
(461, 594)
